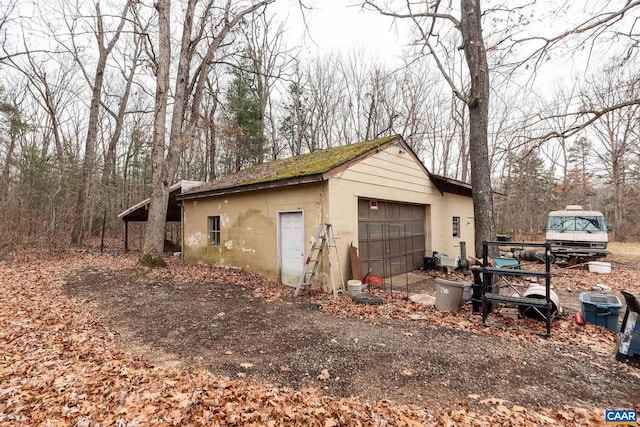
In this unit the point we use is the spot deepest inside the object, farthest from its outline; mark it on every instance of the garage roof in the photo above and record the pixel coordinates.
(316, 166)
(311, 167)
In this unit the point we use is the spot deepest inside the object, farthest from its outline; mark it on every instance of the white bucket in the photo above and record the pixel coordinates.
(599, 267)
(355, 287)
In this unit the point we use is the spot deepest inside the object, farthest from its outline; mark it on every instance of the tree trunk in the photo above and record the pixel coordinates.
(154, 232)
(78, 232)
(107, 167)
(211, 142)
(478, 104)
(7, 164)
(617, 178)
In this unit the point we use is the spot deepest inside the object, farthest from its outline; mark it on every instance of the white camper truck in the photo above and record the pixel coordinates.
(577, 235)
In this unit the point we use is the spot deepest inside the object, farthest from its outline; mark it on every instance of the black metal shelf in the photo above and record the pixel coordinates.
(515, 272)
(484, 279)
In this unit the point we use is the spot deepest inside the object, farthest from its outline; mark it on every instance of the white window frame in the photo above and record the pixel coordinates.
(215, 228)
(455, 225)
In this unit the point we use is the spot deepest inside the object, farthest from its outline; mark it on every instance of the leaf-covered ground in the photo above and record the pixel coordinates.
(90, 340)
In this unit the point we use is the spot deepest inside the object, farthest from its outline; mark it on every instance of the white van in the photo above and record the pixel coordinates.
(577, 234)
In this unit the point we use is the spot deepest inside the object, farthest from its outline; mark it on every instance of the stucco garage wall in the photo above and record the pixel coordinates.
(249, 226)
(442, 217)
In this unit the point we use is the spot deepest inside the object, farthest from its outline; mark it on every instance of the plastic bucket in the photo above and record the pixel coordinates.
(354, 287)
(449, 294)
(599, 267)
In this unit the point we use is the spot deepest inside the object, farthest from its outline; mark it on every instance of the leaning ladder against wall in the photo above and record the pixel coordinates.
(324, 240)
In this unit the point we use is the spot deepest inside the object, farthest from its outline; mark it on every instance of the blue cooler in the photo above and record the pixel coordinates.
(601, 310)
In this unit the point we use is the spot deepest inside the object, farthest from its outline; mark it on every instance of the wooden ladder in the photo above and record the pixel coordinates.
(324, 240)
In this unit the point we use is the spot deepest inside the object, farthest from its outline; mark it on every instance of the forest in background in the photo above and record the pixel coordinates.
(77, 83)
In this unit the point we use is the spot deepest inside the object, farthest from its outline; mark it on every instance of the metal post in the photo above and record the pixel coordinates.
(104, 225)
(126, 236)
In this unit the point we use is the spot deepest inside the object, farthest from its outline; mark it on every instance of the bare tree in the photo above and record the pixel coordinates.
(476, 97)
(214, 25)
(558, 153)
(432, 19)
(326, 91)
(6, 11)
(105, 47)
(54, 92)
(295, 123)
(210, 127)
(616, 133)
(128, 72)
(357, 72)
(411, 107)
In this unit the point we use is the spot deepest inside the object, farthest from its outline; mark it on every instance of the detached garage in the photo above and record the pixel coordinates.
(377, 195)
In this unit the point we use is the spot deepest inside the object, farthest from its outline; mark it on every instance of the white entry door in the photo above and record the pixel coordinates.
(291, 247)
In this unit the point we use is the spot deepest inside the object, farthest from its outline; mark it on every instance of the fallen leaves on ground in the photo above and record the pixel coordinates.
(564, 330)
(324, 375)
(61, 366)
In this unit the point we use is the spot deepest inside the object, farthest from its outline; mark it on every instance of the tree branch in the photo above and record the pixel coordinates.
(413, 15)
(596, 114)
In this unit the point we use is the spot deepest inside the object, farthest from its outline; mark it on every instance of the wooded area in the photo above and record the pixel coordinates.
(105, 104)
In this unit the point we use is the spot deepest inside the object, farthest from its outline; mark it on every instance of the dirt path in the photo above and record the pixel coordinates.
(225, 328)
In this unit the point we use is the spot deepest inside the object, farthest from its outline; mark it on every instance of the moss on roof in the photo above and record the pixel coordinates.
(317, 162)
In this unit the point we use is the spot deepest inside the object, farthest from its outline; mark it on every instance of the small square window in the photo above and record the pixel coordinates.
(214, 230)
(456, 226)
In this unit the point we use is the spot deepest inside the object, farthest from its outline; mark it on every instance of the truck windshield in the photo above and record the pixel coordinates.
(577, 223)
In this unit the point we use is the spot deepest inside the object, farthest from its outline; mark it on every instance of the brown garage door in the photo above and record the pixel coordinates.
(391, 236)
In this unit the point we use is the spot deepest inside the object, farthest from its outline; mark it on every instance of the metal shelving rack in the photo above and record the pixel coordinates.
(543, 306)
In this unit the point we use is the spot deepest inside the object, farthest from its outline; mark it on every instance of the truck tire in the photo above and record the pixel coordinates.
(367, 298)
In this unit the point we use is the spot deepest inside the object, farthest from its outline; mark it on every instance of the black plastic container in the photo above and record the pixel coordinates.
(429, 264)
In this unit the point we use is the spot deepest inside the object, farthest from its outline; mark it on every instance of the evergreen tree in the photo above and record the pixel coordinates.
(12, 126)
(579, 183)
(529, 195)
(243, 123)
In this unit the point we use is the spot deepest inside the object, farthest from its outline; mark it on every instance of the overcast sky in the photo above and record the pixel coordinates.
(335, 26)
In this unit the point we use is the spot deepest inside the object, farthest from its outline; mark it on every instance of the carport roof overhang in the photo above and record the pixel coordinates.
(140, 211)
(448, 185)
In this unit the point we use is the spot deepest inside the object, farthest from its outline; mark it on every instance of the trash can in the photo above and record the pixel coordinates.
(629, 337)
(429, 264)
(601, 310)
(449, 294)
